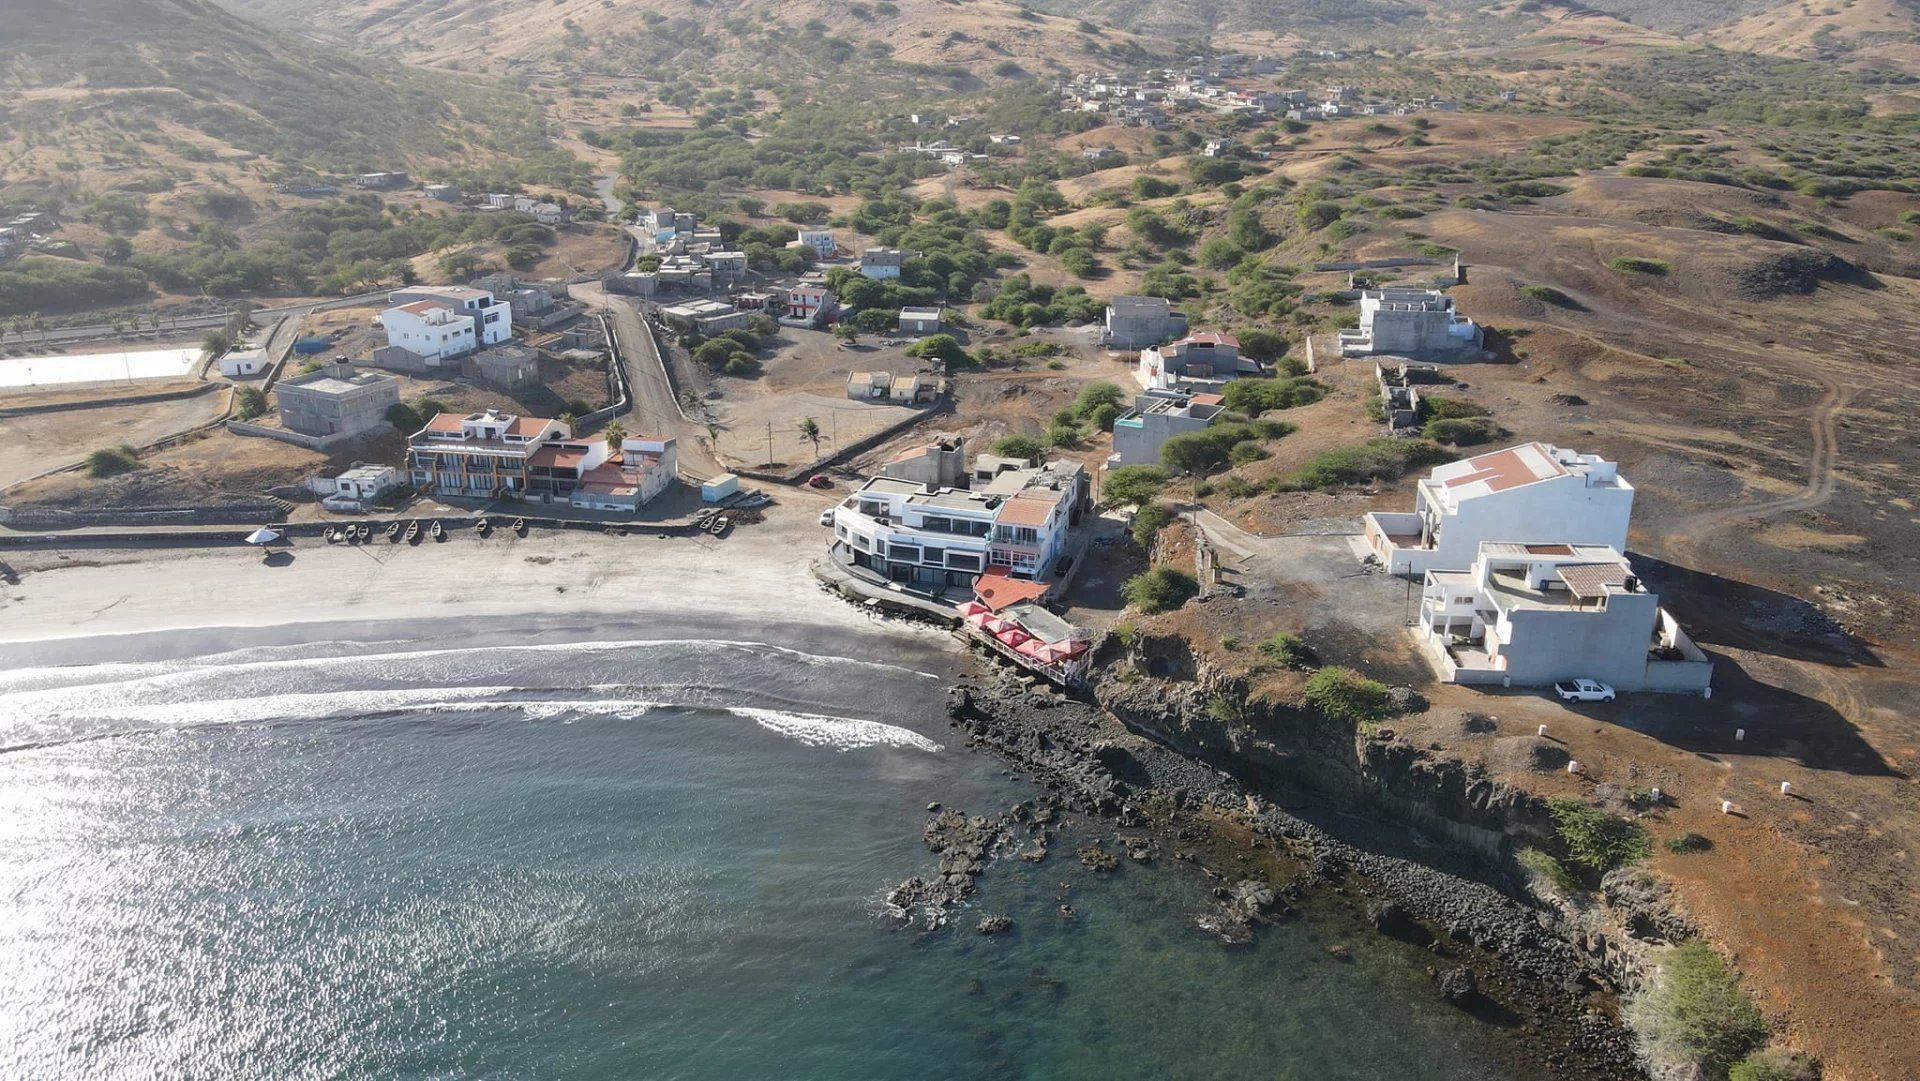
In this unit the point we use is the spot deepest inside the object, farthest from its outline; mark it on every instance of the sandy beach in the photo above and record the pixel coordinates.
(759, 573)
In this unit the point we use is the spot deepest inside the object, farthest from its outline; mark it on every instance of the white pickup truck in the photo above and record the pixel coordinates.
(1583, 690)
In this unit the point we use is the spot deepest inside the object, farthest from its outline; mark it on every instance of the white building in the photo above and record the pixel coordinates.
(443, 322)
(937, 538)
(820, 240)
(1203, 362)
(358, 488)
(596, 475)
(1531, 494)
(243, 362)
(1534, 614)
(882, 262)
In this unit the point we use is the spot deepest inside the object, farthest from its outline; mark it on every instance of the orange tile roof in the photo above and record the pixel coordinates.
(525, 426)
(1029, 508)
(997, 590)
(1208, 399)
(559, 456)
(1504, 469)
(444, 422)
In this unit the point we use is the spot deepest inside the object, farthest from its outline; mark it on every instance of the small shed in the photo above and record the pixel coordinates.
(243, 362)
(718, 488)
(919, 320)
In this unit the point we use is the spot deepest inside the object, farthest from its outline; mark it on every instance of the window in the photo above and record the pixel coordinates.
(933, 556)
(963, 561)
(906, 553)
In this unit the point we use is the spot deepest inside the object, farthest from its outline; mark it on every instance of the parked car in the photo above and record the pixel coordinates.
(819, 480)
(1583, 690)
(826, 517)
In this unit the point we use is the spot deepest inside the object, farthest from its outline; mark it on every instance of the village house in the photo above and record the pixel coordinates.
(508, 366)
(1418, 323)
(480, 455)
(1197, 363)
(820, 241)
(1157, 416)
(919, 321)
(1140, 322)
(1535, 614)
(910, 389)
(882, 263)
(707, 317)
(597, 475)
(382, 181)
(809, 304)
(939, 464)
(360, 487)
(242, 363)
(442, 193)
(336, 400)
(532, 304)
(440, 323)
(1532, 493)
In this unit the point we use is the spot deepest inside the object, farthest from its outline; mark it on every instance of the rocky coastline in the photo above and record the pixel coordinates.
(1279, 837)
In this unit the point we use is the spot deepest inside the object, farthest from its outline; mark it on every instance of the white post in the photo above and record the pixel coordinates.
(1726, 806)
(1573, 766)
(1786, 788)
(1543, 731)
(1739, 735)
(1657, 796)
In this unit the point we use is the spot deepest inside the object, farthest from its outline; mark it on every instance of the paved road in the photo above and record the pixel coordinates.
(655, 410)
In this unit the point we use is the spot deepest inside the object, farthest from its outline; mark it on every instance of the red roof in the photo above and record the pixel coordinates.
(559, 456)
(1208, 399)
(997, 590)
(525, 426)
(444, 422)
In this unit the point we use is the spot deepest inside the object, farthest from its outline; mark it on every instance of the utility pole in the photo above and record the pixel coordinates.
(769, 444)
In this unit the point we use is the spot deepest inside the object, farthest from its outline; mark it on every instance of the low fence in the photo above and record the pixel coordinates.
(617, 368)
(849, 451)
(298, 439)
(212, 538)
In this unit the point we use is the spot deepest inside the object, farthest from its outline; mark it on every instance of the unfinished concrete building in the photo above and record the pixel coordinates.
(1418, 323)
(336, 400)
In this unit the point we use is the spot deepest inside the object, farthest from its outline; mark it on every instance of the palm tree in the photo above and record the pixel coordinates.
(613, 432)
(810, 430)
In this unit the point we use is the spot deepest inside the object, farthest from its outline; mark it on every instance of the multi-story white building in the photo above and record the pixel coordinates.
(1533, 493)
(820, 240)
(479, 456)
(935, 538)
(1420, 323)
(1534, 614)
(440, 323)
(882, 263)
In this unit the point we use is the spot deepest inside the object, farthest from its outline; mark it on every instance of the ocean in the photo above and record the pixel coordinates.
(564, 852)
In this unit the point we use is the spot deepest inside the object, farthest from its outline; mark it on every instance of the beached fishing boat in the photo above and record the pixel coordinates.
(520, 526)
(393, 532)
(413, 532)
(436, 531)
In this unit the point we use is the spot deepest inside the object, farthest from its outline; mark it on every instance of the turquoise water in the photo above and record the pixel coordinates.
(464, 864)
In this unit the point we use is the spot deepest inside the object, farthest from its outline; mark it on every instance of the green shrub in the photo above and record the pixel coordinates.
(1346, 695)
(1289, 650)
(1694, 1012)
(1594, 839)
(1530, 189)
(1547, 294)
(1774, 1064)
(1542, 863)
(1256, 396)
(112, 461)
(1148, 521)
(1161, 589)
(1209, 448)
(1628, 264)
(741, 365)
(1687, 843)
(1815, 229)
(404, 418)
(1018, 446)
(942, 347)
(1462, 431)
(1133, 485)
(250, 402)
(1377, 459)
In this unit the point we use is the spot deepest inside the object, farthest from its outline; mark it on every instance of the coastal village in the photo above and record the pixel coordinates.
(1383, 541)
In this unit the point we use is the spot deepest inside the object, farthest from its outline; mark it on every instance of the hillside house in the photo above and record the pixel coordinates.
(939, 464)
(1418, 323)
(820, 241)
(882, 263)
(1534, 493)
(383, 181)
(1203, 362)
(707, 317)
(1140, 322)
(243, 363)
(1535, 614)
(919, 321)
(810, 304)
(1156, 417)
(439, 323)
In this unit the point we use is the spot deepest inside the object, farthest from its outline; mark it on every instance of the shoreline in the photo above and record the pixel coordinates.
(80, 608)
